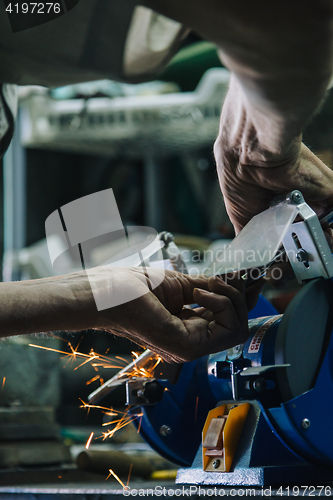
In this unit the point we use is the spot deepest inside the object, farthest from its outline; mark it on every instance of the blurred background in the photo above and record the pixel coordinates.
(152, 144)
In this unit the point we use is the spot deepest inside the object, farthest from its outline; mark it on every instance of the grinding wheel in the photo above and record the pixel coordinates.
(302, 338)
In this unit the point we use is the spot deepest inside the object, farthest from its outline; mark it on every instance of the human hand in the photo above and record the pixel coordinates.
(249, 190)
(157, 320)
(252, 169)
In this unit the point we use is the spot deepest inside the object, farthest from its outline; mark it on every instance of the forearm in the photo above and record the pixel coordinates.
(154, 320)
(280, 53)
(57, 303)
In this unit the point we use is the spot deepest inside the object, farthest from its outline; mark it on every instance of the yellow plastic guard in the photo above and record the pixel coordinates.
(236, 416)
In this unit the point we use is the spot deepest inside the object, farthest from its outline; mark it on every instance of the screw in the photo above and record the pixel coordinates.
(260, 385)
(216, 463)
(306, 423)
(165, 430)
(235, 352)
(166, 237)
(302, 255)
(296, 197)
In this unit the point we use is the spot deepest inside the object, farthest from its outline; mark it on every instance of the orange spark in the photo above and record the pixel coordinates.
(113, 422)
(159, 359)
(116, 477)
(113, 413)
(3, 382)
(95, 356)
(122, 359)
(139, 426)
(105, 365)
(143, 371)
(129, 475)
(76, 348)
(93, 379)
(120, 423)
(87, 405)
(49, 349)
(71, 356)
(89, 441)
(105, 361)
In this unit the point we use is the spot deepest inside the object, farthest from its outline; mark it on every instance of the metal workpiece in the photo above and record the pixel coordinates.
(120, 377)
(273, 234)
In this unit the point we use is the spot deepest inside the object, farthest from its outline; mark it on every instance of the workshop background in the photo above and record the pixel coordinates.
(152, 144)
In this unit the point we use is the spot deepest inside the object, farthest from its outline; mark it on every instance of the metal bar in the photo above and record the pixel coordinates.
(14, 182)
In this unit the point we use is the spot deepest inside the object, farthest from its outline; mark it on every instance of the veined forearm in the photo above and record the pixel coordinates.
(57, 303)
(281, 52)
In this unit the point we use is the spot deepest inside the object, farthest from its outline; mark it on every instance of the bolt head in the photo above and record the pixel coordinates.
(306, 423)
(260, 385)
(296, 197)
(216, 463)
(166, 237)
(165, 430)
(302, 255)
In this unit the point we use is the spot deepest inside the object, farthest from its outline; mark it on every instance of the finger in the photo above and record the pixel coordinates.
(205, 339)
(200, 310)
(252, 293)
(213, 302)
(176, 290)
(186, 313)
(222, 311)
(232, 286)
(234, 279)
(189, 283)
(237, 297)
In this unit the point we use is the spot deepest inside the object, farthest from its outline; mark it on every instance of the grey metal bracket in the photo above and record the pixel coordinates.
(305, 244)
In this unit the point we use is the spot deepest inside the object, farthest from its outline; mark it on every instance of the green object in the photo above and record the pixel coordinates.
(190, 63)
